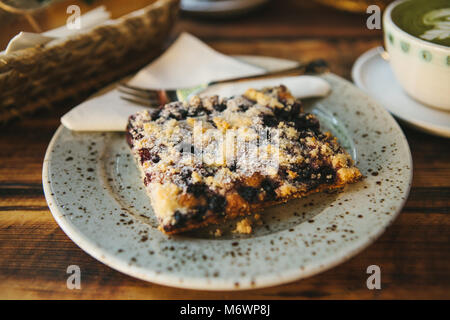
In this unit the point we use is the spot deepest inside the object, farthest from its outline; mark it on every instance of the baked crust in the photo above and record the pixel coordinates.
(211, 159)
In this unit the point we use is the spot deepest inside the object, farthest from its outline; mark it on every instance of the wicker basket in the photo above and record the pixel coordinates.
(73, 68)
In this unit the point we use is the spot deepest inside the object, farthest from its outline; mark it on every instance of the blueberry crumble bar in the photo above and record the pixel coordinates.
(213, 158)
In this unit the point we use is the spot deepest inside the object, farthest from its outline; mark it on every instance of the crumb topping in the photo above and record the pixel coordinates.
(244, 226)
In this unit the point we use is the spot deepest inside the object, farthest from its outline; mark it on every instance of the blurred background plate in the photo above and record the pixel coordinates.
(354, 5)
(220, 7)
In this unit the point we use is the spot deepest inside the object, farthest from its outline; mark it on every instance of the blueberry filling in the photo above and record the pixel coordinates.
(270, 121)
(250, 194)
(269, 187)
(197, 189)
(304, 121)
(315, 176)
(217, 203)
(147, 179)
(180, 220)
(146, 155)
(199, 213)
(220, 106)
(155, 114)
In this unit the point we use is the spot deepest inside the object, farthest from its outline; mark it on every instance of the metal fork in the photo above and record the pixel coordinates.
(157, 97)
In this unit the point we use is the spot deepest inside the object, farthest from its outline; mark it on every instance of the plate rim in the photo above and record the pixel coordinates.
(111, 260)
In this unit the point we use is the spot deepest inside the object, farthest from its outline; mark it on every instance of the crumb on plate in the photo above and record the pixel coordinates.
(244, 226)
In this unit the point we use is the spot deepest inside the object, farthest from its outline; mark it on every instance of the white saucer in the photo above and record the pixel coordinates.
(373, 74)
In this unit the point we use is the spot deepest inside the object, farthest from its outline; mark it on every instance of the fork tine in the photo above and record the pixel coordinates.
(142, 102)
(137, 90)
(140, 94)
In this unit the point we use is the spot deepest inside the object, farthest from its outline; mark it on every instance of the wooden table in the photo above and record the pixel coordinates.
(414, 253)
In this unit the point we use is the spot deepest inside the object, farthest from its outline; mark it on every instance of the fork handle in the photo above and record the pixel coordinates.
(315, 66)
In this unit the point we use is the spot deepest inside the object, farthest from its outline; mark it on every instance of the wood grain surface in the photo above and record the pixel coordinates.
(414, 252)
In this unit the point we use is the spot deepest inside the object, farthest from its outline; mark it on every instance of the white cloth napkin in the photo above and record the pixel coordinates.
(188, 62)
(88, 20)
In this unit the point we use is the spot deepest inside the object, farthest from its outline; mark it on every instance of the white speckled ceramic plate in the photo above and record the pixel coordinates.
(95, 193)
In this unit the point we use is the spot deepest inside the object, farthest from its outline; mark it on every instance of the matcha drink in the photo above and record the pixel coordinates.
(428, 20)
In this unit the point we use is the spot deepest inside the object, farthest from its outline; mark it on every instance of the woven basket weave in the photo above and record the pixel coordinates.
(73, 68)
